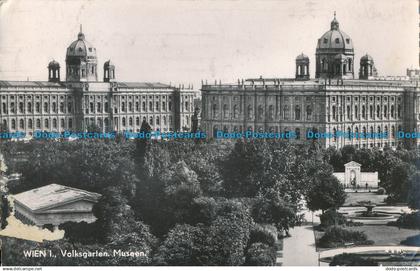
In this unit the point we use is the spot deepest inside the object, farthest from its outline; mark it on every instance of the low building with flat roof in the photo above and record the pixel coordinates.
(55, 204)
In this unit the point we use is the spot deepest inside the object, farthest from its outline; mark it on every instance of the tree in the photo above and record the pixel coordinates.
(326, 192)
(184, 245)
(414, 191)
(348, 259)
(270, 208)
(398, 186)
(259, 254)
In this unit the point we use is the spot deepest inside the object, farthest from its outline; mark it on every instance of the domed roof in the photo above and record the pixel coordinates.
(53, 64)
(81, 47)
(302, 56)
(366, 58)
(335, 38)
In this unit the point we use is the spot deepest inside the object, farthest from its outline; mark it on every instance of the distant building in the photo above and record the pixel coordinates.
(82, 101)
(55, 204)
(333, 103)
(352, 177)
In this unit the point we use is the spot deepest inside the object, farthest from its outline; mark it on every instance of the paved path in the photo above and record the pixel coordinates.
(299, 249)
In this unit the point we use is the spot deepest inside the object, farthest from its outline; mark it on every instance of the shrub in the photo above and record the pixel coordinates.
(336, 236)
(332, 217)
(381, 191)
(410, 221)
(263, 234)
(412, 241)
(259, 254)
(348, 259)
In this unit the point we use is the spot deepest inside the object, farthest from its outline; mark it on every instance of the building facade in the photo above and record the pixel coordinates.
(55, 204)
(331, 103)
(82, 101)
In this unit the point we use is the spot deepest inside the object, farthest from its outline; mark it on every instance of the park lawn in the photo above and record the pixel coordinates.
(353, 198)
(384, 235)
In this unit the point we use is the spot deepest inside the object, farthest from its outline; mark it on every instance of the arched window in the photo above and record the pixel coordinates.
(392, 131)
(123, 121)
(106, 107)
(297, 131)
(250, 113)
(38, 123)
(98, 107)
(130, 121)
(225, 111)
(62, 123)
(46, 108)
(21, 109)
(164, 120)
(308, 112)
(399, 111)
(54, 123)
(163, 106)
(371, 111)
(378, 129)
(137, 121)
(21, 124)
(30, 125)
(69, 107)
(363, 111)
(356, 111)
(130, 107)
(70, 123)
(297, 112)
(348, 112)
(29, 107)
(334, 134)
(143, 106)
(4, 106)
(150, 106)
(157, 106)
(378, 111)
(187, 120)
(364, 130)
(54, 107)
(286, 112)
(334, 113)
(392, 111)
(385, 111)
(271, 112)
(12, 108)
(123, 107)
(214, 109)
(13, 124)
(235, 111)
(151, 120)
(46, 123)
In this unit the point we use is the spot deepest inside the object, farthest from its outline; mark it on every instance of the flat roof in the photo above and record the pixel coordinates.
(53, 195)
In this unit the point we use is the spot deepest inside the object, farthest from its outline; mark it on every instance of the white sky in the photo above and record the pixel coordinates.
(186, 41)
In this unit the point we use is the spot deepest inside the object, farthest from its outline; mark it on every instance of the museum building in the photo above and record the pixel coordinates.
(334, 101)
(82, 101)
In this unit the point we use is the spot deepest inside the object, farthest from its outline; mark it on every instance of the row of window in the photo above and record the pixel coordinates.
(21, 108)
(130, 107)
(371, 130)
(260, 113)
(30, 124)
(363, 114)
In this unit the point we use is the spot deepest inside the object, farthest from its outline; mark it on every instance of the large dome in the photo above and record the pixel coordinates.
(335, 38)
(81, 47)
